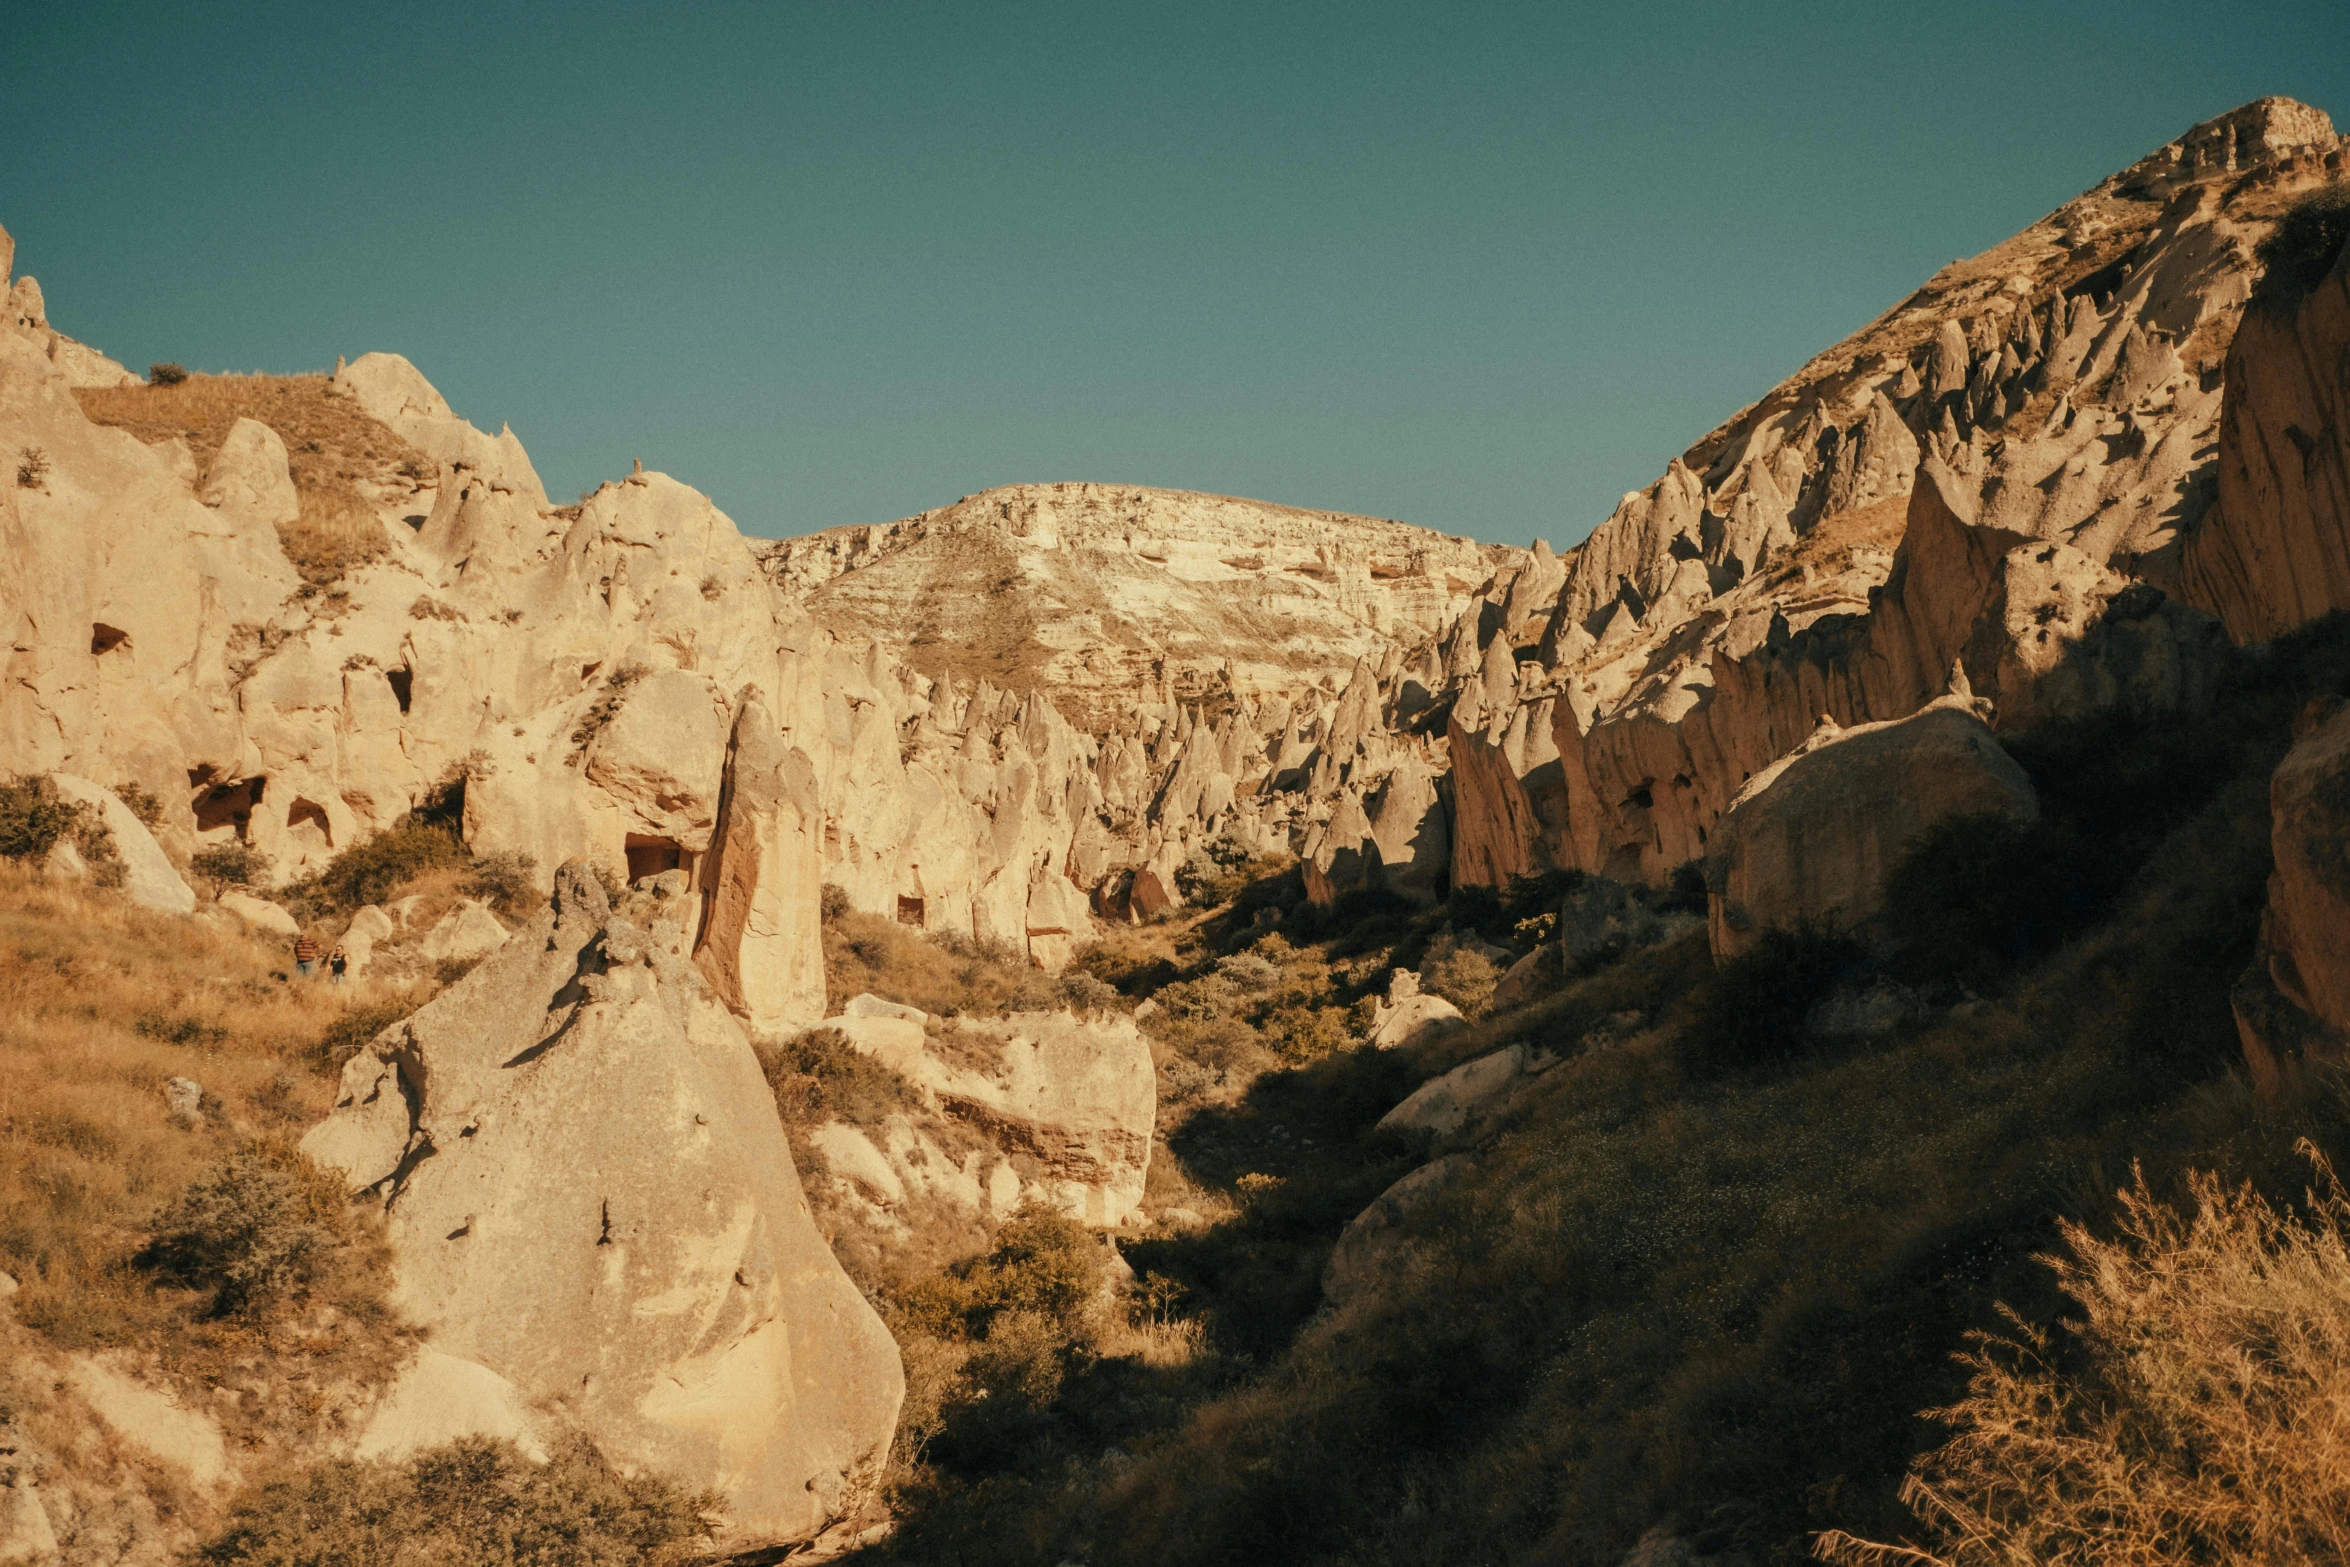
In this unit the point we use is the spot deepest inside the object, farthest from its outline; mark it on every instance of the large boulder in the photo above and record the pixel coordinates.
(1377, 1243)
(149, 879)
(588, 1194)
(761, 947)
(2293, 1003)
(249, 494)
(1810, 840)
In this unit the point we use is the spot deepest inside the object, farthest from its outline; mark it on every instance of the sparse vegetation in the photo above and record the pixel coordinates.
(335, 451)
(231, 864)
(260, 1224)
(941, 974)
(32, 469)
(2296, 255)
(507, 879)
(2188, 1413)
(818, 1076)
(34, 817)
(141, 802)
(474, 1500)
(426, 840)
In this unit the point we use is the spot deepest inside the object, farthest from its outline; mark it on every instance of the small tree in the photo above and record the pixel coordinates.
(257, 1226)
(166, 374)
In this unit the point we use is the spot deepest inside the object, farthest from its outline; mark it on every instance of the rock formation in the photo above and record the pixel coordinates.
(1809, 842)
(2274, 553)
(591, 1203)
(2293, 1003)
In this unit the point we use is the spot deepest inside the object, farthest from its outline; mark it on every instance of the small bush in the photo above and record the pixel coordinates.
(1085, 993)
(32, 469)
(2298, 253)
(1754, 1010)
(475, 1500)
(832, 903)
(370, 870)
(508, 879)
(258, 1226)
(2194, 1417)
(141, 802)
(819, 1076)
(346, 1034)
(1461, 975)
(1043, 1263)
(33, 817)
(231, 864)
(166, 374)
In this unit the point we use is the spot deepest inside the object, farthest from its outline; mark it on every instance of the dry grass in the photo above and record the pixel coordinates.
(332, 445)
(2200, 1411)
(100, 1004)
(943, 975)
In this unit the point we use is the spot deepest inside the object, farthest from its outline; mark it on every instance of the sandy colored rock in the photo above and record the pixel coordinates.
(149, 878)
(592, 1199)
(468, 933)
(2275, 552)
(261, 914)
(153, 1421)
(761, 945)
(1810, 841)
(369, 928)
(1444, 1105)
(438, 1398)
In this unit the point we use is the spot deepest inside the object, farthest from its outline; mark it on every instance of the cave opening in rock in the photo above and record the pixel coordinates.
(650, 856)
(909, 911)
(105, 639)
(225, 807)
(403, 684)
(306, 824)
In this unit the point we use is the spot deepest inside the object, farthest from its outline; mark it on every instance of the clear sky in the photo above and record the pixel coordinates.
(1482, 267)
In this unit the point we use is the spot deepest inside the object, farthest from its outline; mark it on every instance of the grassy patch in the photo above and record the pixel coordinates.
(332, 448)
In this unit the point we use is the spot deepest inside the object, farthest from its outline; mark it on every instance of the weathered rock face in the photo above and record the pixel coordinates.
(1131, 596)
(2057, 400)
(1380, 1240)
(1067, 1104)
(760, 945)
(589, 1197)
(2275, 552)
(1811, 840)
(2293, 1003)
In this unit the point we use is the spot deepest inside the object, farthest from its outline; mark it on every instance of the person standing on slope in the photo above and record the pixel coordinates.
(306, 954)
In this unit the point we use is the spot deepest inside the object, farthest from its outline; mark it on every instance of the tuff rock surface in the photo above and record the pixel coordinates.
(589, 1198)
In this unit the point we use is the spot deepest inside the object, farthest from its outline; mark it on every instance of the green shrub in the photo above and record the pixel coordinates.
(346, 1034)
(33, 817)
(1043, 1263)
(370, 870)
(1461, 975)
(831, 903)
(1753, 1010)
(141, 802)
(166, 374)
(475, 1500)
(818, 1076)
(257, 1227)
(509, 879)
(2297, 254)
(231, 864)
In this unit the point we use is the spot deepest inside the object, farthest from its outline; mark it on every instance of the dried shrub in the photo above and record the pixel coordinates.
(475, 1500)
(1043, 1264)
(32, 469)
(2194, 1412)
(166, 374)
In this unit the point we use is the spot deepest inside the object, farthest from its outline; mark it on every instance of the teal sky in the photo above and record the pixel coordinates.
(1480, 267)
